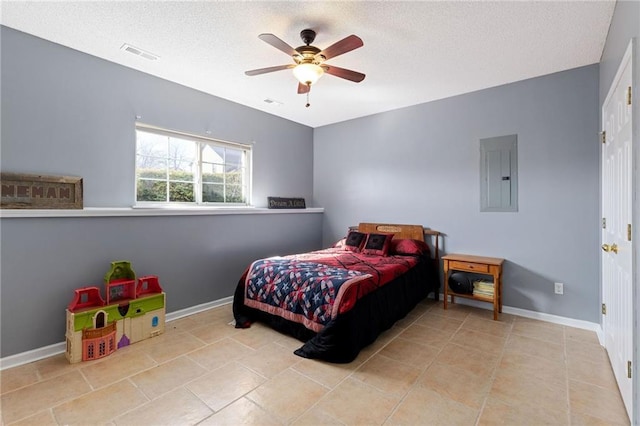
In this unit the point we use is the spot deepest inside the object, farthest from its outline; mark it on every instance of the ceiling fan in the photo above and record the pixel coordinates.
(309, 61)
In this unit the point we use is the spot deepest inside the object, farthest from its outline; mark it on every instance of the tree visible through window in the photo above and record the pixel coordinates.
(178, 168)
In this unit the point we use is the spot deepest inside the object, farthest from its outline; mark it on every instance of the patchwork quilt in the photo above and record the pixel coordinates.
(313, 288)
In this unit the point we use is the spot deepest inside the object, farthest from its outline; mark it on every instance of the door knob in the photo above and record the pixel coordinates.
(612, 247)
(606, 247)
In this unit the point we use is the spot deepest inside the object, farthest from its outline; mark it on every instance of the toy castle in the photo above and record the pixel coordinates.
(134, 311)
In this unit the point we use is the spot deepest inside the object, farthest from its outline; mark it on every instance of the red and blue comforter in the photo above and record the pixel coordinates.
(313, 288)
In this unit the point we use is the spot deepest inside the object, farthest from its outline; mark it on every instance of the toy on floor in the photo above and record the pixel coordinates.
(134, 311)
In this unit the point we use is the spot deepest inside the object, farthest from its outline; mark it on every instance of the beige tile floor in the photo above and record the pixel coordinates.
(435, 367)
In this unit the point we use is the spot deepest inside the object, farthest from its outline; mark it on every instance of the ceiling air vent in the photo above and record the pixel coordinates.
(139, 52)
(272, 102)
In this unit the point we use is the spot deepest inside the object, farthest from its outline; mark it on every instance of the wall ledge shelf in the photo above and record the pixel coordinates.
(146, 211)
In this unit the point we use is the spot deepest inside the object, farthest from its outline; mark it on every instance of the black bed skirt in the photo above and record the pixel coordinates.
(341, 340)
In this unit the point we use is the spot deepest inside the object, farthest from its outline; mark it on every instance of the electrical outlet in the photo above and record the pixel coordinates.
(559, 288)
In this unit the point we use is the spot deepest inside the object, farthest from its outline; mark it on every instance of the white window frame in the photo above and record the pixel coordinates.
(200, 141)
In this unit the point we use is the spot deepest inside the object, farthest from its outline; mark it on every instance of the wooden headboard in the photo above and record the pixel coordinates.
(416, 232)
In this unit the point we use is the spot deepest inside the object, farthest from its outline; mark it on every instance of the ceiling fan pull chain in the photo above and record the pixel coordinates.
(308, 104)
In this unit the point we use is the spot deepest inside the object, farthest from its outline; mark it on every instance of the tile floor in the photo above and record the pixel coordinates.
(434, 367)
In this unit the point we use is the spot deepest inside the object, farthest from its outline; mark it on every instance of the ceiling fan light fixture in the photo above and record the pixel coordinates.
(308, 73)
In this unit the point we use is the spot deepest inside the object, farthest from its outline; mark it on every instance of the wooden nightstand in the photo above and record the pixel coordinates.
(477, 265)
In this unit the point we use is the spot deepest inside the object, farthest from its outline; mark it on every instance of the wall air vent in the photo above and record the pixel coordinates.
(139, 52)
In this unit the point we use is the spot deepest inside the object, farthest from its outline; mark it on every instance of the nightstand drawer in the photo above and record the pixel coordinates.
(468, 266)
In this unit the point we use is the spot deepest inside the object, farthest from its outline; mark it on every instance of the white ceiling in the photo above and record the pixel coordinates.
(413, 52)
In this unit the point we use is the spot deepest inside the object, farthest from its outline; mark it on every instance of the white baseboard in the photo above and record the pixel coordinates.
(59, 348)
(32, 355)
(198, 308)
(585, 325)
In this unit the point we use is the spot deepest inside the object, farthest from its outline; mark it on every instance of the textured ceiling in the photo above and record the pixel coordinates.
(413, 52)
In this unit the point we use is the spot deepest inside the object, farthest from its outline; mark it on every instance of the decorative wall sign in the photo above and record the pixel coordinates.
(286, 203)
(22, 191)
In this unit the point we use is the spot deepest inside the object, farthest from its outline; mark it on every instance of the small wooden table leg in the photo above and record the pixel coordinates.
(497, 307)
(500, 294)
(446, 287)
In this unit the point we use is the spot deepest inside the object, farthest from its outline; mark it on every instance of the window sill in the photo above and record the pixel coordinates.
(150, 211)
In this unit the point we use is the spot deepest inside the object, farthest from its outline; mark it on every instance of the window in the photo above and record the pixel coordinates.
(174, 167)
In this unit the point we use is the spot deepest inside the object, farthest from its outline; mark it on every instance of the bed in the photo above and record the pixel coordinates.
(339, 299)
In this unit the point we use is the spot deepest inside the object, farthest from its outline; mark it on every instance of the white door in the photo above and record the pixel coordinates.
(617, 293)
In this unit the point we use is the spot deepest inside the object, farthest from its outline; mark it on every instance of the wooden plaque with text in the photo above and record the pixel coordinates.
(22, 191)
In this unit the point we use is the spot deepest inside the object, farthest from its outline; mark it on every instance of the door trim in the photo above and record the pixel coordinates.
(631, 55)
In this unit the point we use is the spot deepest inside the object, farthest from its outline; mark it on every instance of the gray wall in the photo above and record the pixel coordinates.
(421, 165)
(68, 113)
(197, 258)
(625, 25)
(65, 112)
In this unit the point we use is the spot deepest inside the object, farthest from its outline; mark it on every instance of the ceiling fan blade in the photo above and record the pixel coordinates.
(278, 44)
(345, 45)
(302, 89)
(269, 69)
(343, 73)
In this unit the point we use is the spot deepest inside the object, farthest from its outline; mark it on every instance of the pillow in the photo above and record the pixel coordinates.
(354, 241)
(406, 246)
(340, 243)
(377, 244)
